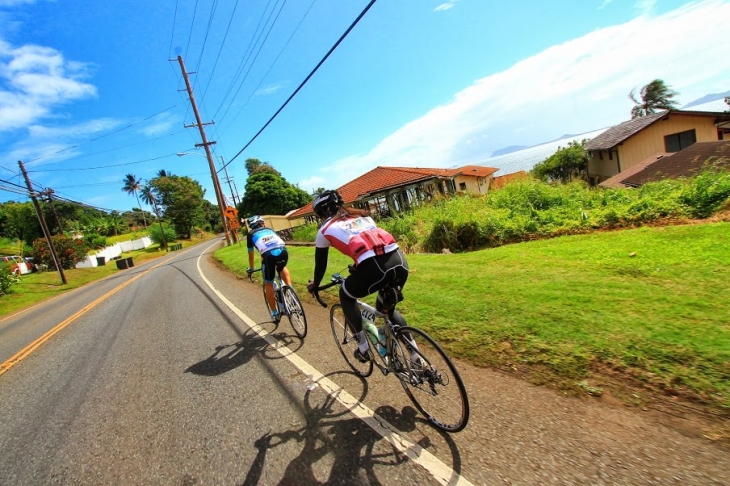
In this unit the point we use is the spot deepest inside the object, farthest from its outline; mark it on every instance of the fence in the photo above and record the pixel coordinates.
(111, 252)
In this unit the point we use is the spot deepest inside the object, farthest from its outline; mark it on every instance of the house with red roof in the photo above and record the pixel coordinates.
(389, 190)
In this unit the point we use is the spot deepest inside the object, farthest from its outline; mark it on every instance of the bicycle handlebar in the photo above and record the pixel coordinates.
(250, 274)
(336, 280)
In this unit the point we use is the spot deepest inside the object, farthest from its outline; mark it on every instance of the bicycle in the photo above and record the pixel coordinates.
(427, 375)
(287, 303)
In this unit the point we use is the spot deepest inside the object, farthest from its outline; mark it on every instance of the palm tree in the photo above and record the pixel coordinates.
(131, 186)
(654, 96)
(150, 198)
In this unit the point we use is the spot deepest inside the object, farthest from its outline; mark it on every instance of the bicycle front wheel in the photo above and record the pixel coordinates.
(430, 379)
(295, 312)
(347, 342)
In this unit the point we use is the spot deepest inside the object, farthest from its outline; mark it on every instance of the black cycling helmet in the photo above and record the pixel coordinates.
(255, 221)
(326, 204)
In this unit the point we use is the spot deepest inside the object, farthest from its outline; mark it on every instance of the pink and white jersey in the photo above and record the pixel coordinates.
(357, 237)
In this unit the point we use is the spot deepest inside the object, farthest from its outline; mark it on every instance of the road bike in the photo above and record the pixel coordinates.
(287, 303)
(426, 373)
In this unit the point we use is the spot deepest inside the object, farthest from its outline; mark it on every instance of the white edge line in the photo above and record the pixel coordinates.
(440, 471)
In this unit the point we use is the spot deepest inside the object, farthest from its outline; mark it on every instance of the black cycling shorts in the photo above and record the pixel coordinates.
(373, 273)
(273, 260)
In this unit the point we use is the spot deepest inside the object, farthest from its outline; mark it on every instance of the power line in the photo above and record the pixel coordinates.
(352, 26)
(102, 136)
(105, 166)
(296, 29)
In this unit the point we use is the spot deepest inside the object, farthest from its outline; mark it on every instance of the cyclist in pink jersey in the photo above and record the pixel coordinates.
(377, 257)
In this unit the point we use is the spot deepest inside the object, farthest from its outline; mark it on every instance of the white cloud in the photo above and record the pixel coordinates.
(644, 7)
(445, 6)
(605, 4)
(576, 87)
(35, 79)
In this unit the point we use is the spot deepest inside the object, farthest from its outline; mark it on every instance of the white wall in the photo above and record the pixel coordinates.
(114, 251)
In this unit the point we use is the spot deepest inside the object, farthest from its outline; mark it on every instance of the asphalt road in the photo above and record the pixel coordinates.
(170, 373)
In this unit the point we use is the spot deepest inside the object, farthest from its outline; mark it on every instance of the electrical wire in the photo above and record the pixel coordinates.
(352, 26)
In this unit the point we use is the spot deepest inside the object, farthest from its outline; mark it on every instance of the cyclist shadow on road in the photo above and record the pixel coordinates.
(355, 452)
(228, 357)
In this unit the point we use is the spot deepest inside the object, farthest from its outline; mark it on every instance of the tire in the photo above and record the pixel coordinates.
(346, 342)
(295, 312)
(435, 389)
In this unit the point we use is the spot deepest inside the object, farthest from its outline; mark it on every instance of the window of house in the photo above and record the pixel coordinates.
(610, 155)
(462, 186)
(678, 141)
(600, 154)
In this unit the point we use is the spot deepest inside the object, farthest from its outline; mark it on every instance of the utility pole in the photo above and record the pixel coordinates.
(209, 155)
(42, 220)
(228, 179)
(48, 193)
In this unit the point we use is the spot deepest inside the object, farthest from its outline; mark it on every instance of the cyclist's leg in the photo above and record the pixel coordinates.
(281, 262)
(268, 269)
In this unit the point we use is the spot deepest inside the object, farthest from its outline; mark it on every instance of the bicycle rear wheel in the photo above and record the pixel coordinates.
(430, 379)
(295, 312)
(347, 342)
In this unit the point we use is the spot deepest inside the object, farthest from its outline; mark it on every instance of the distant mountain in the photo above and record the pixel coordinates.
(706, 99)
(508, 150)
(517, 148)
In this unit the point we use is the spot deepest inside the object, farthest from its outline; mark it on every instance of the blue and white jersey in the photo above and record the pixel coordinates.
(264, 239)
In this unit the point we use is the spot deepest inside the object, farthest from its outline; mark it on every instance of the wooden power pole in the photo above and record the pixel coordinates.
(208, 153)
(44, 226)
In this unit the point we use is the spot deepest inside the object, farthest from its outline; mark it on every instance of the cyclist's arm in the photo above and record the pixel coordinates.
(320, 264)
(250, 258)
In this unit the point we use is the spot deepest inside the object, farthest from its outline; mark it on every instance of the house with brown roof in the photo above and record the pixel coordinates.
(622, 147)
(685, 163)
(389, 190)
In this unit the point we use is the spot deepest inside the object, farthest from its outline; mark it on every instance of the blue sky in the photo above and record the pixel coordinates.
(90, 91)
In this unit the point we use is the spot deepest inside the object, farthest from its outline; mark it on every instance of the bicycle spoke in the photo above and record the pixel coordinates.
(295, 312)
(430, 380)
(346, 342)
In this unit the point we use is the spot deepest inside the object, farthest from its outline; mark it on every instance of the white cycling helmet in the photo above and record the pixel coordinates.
(255, 221)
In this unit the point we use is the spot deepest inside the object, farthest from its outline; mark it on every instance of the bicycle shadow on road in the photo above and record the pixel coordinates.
(354, 452)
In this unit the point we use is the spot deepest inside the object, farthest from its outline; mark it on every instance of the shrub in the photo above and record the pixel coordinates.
(70, 251)
(306, 232)
(94, 241)
(6, 278)
(156, 234)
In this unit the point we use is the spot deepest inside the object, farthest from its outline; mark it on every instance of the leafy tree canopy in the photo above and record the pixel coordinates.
(254, 166)
(181, 200)
(655, 96)
(267, 192)
(564, 165)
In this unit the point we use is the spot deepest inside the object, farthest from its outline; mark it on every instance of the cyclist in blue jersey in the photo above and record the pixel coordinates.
(273, 257)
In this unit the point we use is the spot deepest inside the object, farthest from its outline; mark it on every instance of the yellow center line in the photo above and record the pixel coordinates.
(23, 353)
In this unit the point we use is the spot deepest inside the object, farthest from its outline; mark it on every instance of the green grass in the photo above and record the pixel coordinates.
(567, 310)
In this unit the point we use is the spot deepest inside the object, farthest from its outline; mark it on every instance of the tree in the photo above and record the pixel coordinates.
(181, 201)
(727, 102)
(131, 186)
(267, 192)
(565, 164)
(254, 166)
(318, 191)
(150, 198)
(655, 96)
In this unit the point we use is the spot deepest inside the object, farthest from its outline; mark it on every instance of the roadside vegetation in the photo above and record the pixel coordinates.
(576, 304)
(645, 307)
